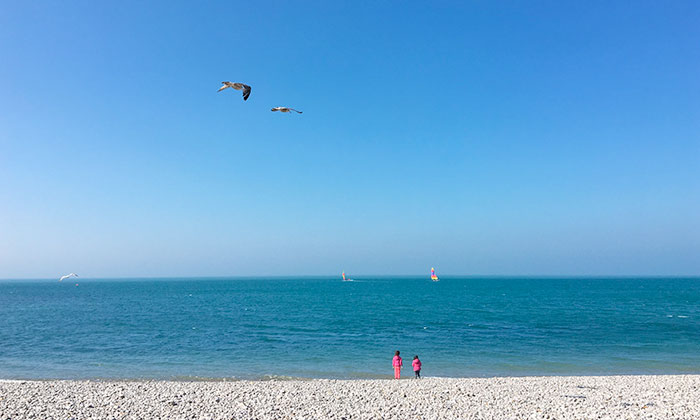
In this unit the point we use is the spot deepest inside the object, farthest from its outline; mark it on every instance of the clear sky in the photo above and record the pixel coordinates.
(478, 137)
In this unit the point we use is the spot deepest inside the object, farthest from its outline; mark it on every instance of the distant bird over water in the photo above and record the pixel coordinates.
(67, 276)
(238, 86)
(284, 109)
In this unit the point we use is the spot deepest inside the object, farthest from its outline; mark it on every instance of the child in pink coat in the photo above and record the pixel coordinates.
(397, 363)
(416, 366)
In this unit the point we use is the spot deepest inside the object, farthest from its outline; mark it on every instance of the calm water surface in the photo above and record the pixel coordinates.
(322, 327)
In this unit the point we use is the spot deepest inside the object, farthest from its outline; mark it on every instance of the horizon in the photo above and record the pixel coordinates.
(373, 276)
(549, 138)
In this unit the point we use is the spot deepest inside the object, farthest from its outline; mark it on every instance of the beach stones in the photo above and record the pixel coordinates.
(631, 397)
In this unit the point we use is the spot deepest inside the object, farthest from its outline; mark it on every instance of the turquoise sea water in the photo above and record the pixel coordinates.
(325, 328)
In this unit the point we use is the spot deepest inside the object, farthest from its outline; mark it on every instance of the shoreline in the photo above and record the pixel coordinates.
(406, 375)
(628, 396)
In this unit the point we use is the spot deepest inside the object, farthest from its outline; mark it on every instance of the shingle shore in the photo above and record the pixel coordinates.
(557, 397)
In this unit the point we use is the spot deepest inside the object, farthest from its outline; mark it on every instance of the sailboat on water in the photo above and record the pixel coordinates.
(346, 278)
(433, 276)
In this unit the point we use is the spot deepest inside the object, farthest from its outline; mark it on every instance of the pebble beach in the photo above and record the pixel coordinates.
(553, 397)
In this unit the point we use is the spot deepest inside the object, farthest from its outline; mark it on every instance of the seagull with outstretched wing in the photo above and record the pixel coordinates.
(284, 109)
(67, 276)
(238, 86)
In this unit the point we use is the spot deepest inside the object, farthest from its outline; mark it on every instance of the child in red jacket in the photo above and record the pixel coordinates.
(416, 366)
(397, 363)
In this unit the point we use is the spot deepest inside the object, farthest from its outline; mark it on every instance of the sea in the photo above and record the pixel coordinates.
(321, 327)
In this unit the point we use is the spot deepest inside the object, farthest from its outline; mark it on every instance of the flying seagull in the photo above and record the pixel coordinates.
(67, 276)
(284, 109)
(238, 86)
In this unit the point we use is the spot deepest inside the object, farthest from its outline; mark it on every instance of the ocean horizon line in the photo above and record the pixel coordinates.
(373, 276)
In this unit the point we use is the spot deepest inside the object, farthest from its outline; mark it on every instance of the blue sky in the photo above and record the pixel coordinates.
(477, 137)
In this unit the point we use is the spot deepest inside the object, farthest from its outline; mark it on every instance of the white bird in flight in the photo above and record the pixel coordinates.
(238, 86)
(284, 109)
(67, 276)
